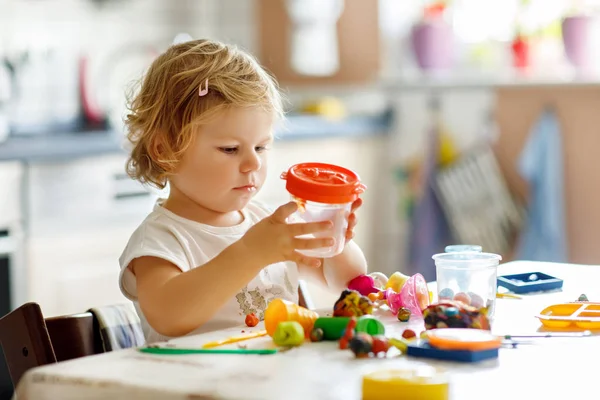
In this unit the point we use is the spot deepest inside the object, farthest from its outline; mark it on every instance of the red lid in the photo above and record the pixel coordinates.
(323, 183)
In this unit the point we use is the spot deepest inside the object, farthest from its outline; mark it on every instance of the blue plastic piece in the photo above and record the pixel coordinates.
(422, 349)
(530, 282)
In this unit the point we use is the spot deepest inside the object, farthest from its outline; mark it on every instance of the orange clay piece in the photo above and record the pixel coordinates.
(373, 297)
(251, 320)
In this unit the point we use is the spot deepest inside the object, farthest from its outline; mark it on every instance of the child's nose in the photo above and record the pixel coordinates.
(251, 163)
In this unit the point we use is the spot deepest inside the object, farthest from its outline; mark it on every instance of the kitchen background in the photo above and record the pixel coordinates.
(470, 121)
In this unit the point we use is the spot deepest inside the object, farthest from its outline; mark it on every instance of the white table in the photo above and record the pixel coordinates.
(555, 369)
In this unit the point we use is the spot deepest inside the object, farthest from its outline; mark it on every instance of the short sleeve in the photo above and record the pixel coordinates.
(153, 240)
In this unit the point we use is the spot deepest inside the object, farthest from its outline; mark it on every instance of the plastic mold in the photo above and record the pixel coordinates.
(530, 282)
(582, 316)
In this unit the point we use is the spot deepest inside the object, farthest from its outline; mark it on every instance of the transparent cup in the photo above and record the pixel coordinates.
(469, 277)
(310, 211)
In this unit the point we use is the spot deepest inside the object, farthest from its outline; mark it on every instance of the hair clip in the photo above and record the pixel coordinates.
(203, 92)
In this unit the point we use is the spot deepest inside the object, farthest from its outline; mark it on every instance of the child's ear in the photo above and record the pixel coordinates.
(157, 152)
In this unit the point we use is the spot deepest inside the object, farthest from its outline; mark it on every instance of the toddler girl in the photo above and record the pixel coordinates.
(208, 254)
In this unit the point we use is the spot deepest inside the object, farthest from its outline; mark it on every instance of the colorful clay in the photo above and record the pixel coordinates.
(380, 345)
(361, 345)
(348, 334)
(363, 284)
(251, 320)
(455, 314)
(450, 311)
(289, 333)
(403, 314)
(476, 300)
(446, 294)
(400, 344)
(462, 297)
(316, 335)
(409, 334)
(583, 297)
(352, 304)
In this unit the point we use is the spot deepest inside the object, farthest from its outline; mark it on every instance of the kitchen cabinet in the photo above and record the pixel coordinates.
(80, 216)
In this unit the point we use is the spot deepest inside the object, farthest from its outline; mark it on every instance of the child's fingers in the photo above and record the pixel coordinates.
(280, 215)
(315, 243)
(349, 235)
(305, 228)
(352, 220)
(310, 261)
(357, 203)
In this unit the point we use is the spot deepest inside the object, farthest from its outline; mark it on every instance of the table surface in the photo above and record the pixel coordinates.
(550, 368)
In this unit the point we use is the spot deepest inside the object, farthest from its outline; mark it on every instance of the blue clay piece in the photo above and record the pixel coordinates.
(446, 293)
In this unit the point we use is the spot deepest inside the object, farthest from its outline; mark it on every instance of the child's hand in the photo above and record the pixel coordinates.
(352, 220)
(273, 239)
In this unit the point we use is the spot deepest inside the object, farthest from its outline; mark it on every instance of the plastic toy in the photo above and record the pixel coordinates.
(414, 296)
(571, 316)
(334, 327)
(530, 282)
(280, 310)
(467, 345)
(396, 282)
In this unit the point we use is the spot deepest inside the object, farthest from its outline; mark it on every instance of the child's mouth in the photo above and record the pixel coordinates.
(247, 188)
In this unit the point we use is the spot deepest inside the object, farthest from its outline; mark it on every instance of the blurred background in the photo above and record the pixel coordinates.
(470, 121)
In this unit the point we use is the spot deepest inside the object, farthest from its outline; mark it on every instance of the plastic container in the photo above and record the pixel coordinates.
(414, 296)
(334, 327)
(575, 316)
(530, 282)
(324, 192)
(469, 277)
(416, 383)
(280, 310)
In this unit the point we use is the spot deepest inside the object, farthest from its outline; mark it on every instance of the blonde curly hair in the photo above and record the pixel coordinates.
(168, 106)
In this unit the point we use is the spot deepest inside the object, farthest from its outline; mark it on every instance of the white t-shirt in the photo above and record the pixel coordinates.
(189, 244)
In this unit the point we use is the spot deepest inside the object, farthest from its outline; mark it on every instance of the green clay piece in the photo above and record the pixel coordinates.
(289, 333)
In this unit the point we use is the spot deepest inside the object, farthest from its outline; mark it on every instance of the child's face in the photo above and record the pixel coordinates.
(226, 163)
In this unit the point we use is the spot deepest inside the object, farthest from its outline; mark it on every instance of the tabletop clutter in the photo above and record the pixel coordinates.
(455, 321)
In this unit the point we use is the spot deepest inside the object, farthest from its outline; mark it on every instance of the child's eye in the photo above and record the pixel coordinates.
(228, 150)
(261, 148)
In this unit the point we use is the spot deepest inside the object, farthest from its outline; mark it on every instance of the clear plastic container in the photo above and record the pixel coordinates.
(309, 211)
(469, 277)
(324, 192)
(457, 248)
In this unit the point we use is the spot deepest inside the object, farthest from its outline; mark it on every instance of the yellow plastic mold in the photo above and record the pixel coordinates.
(584, 315)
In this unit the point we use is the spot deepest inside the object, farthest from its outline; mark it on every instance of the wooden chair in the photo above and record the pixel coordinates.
(28, 340)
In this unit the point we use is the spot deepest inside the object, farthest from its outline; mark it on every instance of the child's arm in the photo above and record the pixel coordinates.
(339, 270)
(176, 303)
